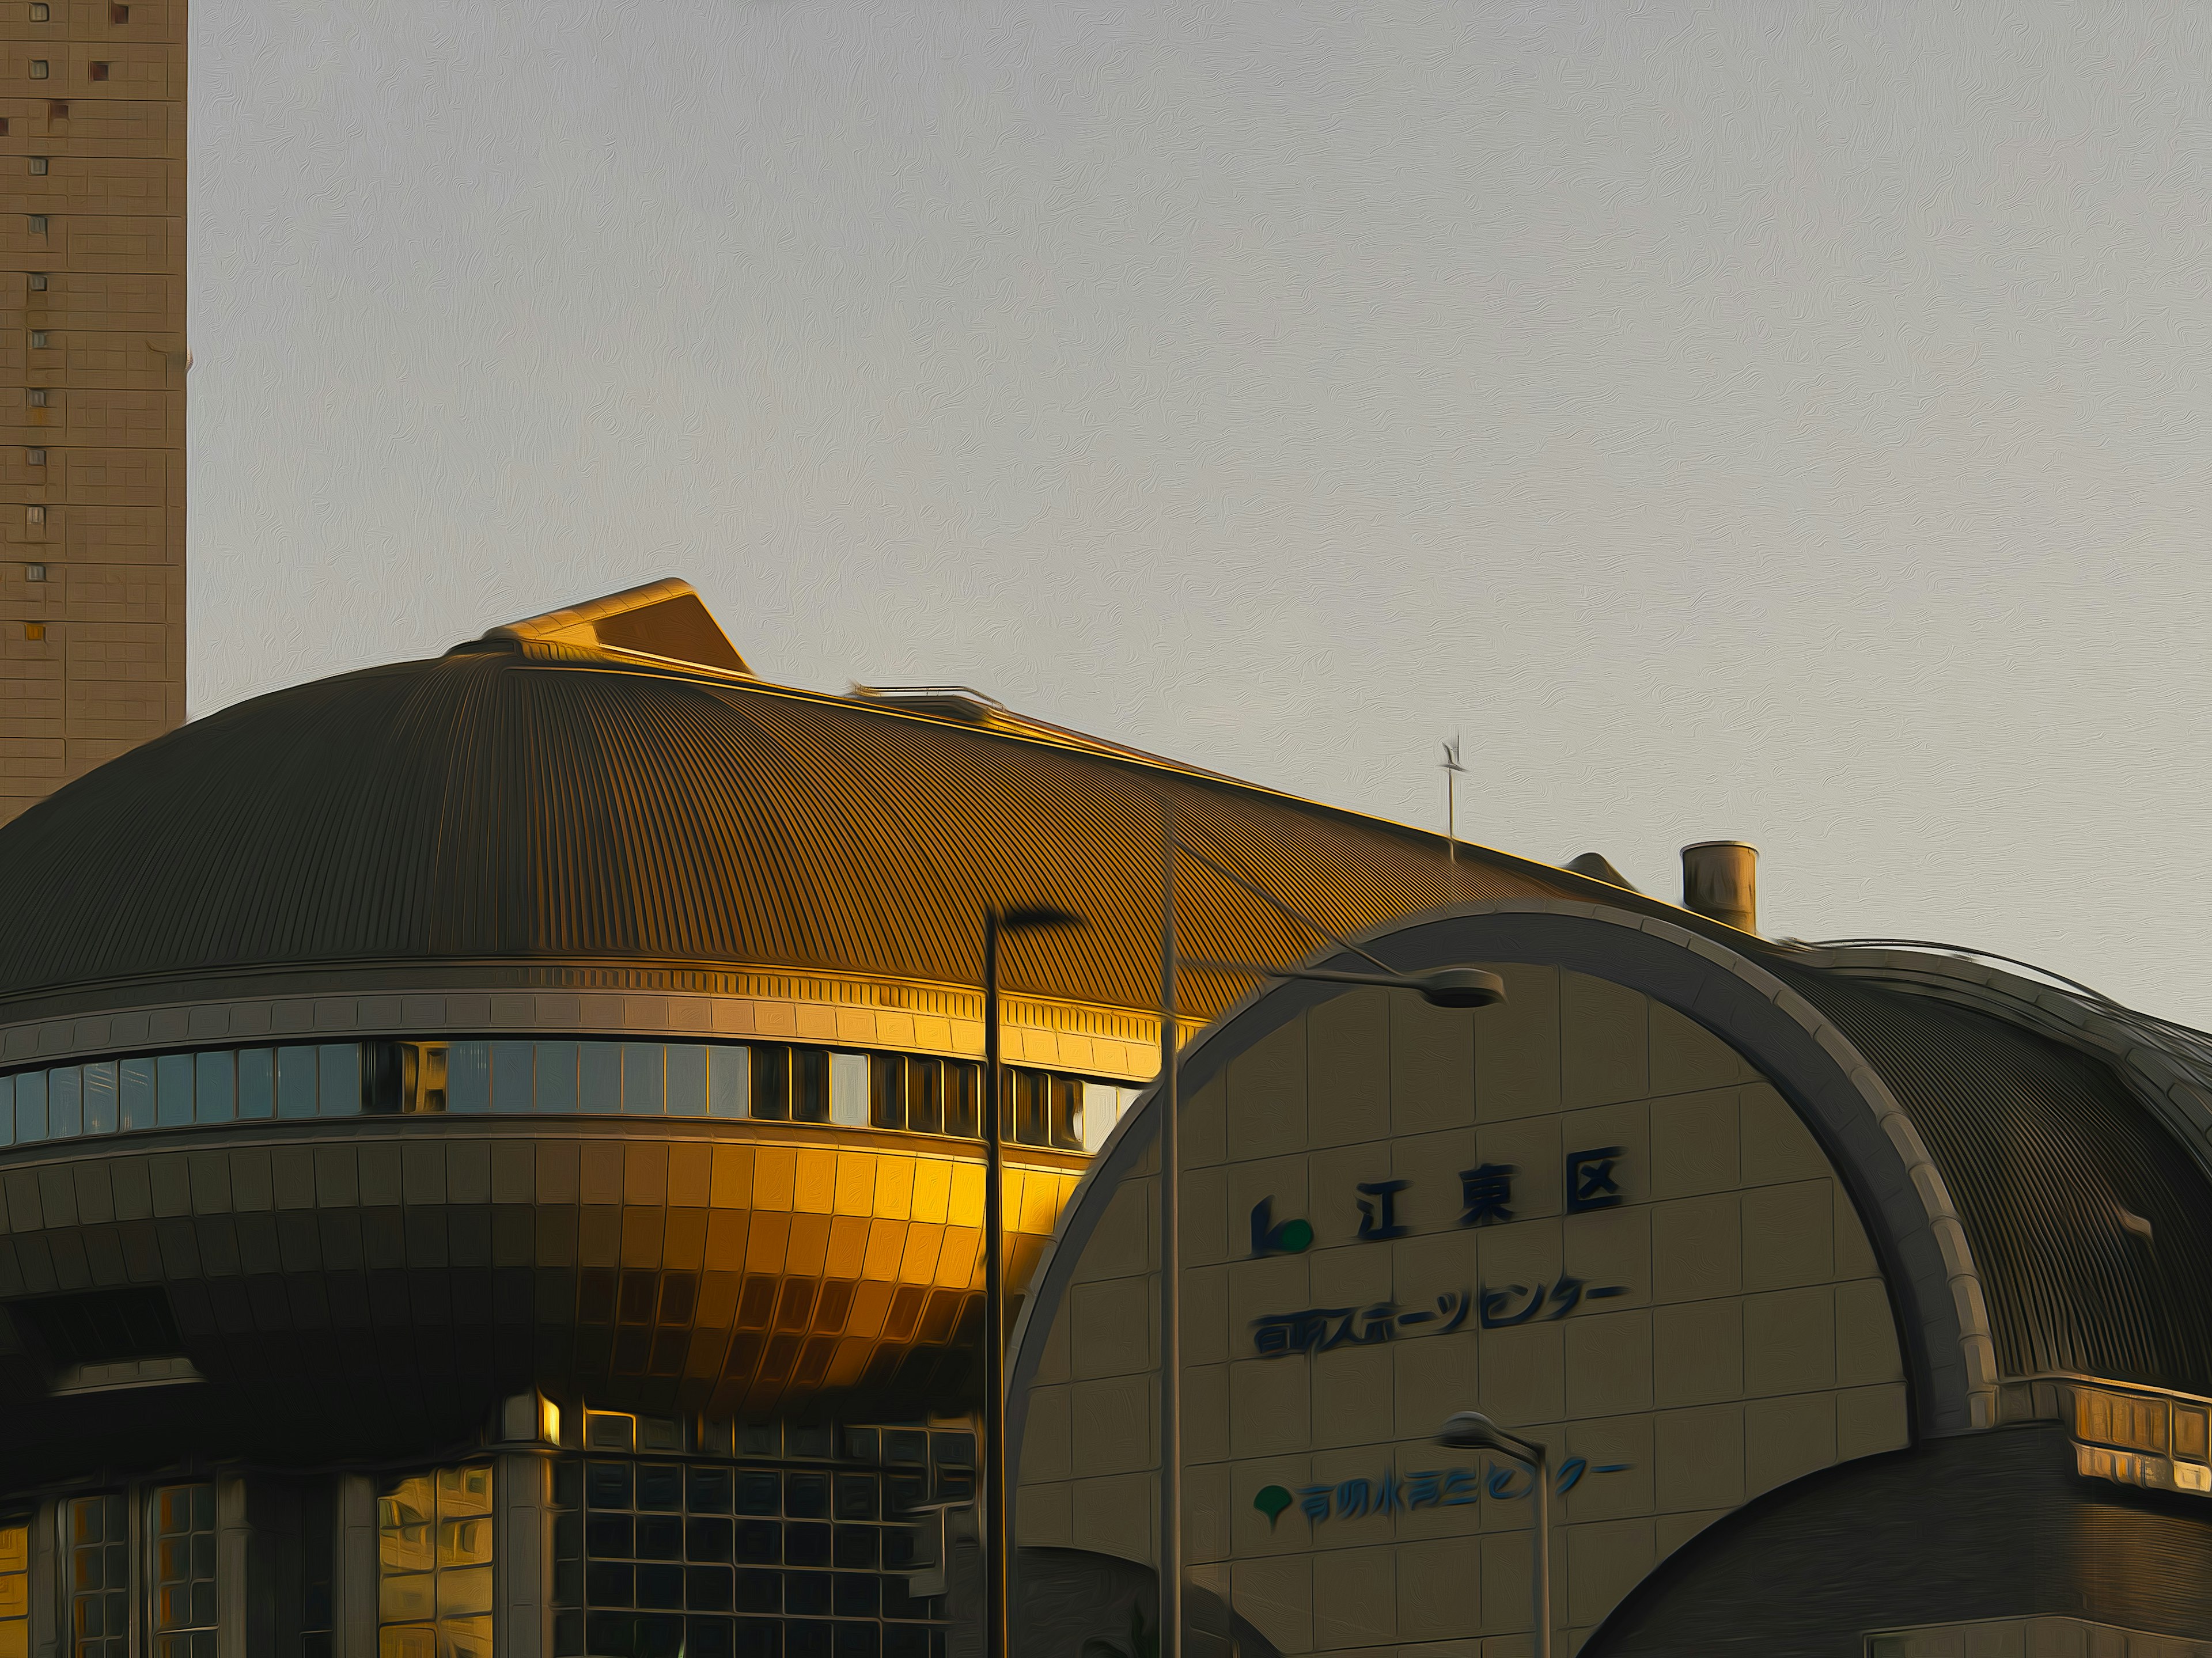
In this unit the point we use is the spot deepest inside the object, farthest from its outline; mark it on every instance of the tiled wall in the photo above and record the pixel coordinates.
(1753, 1341)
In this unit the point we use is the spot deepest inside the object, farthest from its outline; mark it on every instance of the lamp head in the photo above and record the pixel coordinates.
(1471, 1430)
(1461, 987)
(1038, 918)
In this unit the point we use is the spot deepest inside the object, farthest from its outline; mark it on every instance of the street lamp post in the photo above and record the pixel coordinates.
(1454, 987)
(1034, 918)
(1471, 1430)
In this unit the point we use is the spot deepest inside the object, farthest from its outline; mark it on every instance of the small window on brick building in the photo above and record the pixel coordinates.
(37, 167)
(119, 14)
(34, 515)
(57, 111)
(3, 126)
(35, 458)
(36, 224)
(99, 71)
(38, 339)
(35, 573)
(38, 282)
(38, 69)
(38, 399)
(34, 631)
(40, 11)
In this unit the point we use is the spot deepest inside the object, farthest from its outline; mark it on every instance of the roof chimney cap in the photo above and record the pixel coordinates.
(1720, 881)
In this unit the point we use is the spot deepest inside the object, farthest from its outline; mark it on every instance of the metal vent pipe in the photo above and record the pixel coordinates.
(1720, 880)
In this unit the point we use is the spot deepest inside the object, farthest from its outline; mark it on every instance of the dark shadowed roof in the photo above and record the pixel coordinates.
(563, 790)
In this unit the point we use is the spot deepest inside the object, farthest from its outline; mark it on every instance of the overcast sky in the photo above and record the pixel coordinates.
(1776, 421)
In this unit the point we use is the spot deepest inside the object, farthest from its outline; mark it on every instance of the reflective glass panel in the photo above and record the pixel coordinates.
(848, 1090)
(181, 1543)
(15, 1591)
(256, 1082)
(214, 1087)
(96, 1532)
(135, 1090)
(771, 1082)
(729, 1074)
(645, 1084)
(598, 1077)
(687, 1080)
(557, 1076)
(296, 1083)
(100, 1097)
(468, 1077)
(173, 1086)
(30, 1107)
(339, 1072)
(512, 1079)
(924, 1095)
(65, 1102)
(7, 1110)
(809, 1084)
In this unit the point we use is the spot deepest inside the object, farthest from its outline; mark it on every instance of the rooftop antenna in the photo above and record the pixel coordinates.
(1452, 769)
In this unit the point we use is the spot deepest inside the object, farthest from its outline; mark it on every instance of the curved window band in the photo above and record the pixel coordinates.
(772, 1082)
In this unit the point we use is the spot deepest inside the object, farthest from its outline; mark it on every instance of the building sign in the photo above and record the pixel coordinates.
(1429, 1488)
(1485, 1200)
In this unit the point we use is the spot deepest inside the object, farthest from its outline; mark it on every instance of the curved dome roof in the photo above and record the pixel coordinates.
(611, 785)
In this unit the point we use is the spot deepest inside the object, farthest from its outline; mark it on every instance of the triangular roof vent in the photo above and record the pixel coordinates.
(664, 620)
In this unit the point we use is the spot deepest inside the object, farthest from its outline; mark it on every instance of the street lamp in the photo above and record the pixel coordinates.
(1454, 987)
(1030, 918)
(1471, 1430)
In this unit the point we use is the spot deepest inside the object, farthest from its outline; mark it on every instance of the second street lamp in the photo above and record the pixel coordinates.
(1471, 1430)
(1032, 918)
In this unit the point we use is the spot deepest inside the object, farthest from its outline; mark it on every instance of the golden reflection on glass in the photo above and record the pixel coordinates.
(434, 1565)
(183, 1599)
(99, 1532)
(15, 1591)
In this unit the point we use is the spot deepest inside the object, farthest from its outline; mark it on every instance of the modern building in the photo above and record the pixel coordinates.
(492, 1167)
(493, 1155)
(92, 386)
(1855, 1293)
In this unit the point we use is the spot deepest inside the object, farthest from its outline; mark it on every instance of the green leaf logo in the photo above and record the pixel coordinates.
(1271, 1502)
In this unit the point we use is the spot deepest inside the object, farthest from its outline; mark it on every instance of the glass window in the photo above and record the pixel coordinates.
(848, 1090)
(30, 1107)
(135, 1090)
(7, 1111)
(296, 1084)
(434, 1565)
(15, 1591)
(598, 1077)
(340, 1069)
(513, 1076)
(687, 1080)
(214, 1087)
(887, 1090)
(173, 1087)
(97, 1532)
(1066, 1102)
(645, 1080)
(256, 1082)
(771, 1082)
(964, 1098)
(809, 1084)
(183, 1612)
(100, 1097)
(468, 1077)
(65, 1102)
(729, 1081)
(557, 1076)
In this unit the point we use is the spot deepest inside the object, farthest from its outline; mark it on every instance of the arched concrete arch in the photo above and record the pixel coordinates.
(1901, 1197)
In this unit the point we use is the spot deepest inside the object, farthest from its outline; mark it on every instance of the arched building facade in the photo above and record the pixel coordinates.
(1852, 1292)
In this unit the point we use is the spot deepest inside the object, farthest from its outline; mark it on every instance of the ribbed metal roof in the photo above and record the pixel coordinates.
(2046, 1152)
(518, 799)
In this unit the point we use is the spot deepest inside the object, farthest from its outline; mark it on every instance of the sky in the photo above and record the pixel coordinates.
(1767, 421)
